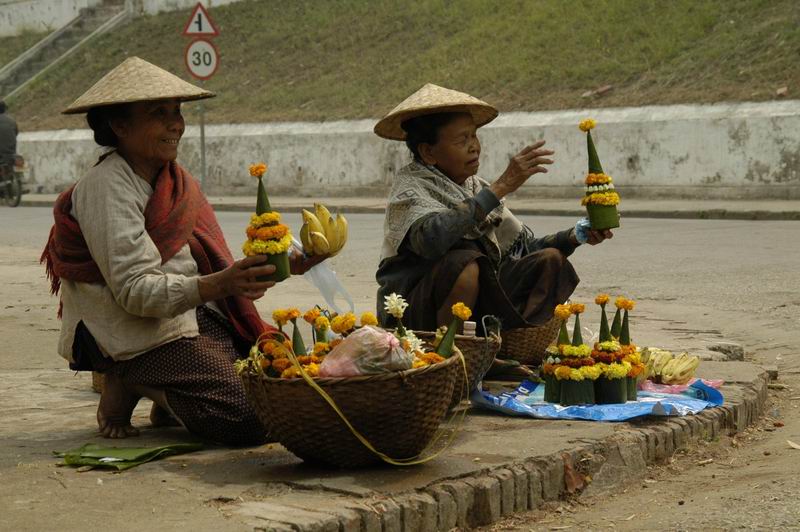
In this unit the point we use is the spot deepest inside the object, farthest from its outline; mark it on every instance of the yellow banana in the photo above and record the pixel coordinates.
(308, 246)
(324, 217)
(321, 246)
(340, 228)
(314, 224)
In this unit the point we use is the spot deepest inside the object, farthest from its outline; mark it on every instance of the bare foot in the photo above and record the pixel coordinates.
(160, 417)
(115, 409)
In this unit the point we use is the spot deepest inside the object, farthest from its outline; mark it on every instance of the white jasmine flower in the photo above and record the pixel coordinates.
(414, 343)
(395, 305)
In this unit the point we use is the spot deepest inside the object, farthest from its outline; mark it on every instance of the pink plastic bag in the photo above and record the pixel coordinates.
(366, 351)
(650, 386)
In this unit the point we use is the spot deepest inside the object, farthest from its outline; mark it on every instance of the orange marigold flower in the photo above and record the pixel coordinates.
(562, 372)
(258, 170)
(368, 318)
(272, 232)
(461, 311)
(562, 312)
(311, 315)
(577, 308)
(629, 304)
(619, 302)
(602, 299)
(281, 364)
(322, 323)
(290, 373)
(432, 358)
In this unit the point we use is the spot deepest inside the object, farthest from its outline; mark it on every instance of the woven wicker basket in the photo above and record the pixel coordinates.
(98, 382)
(398, 413)
(527, 344)
(479, 353)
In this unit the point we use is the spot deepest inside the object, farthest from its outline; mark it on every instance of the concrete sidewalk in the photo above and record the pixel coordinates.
(630, 208)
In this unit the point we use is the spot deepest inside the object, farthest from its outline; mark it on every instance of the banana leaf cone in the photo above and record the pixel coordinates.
(280, 260)
(563, 335)
(610, 391)
(445, 348)
(605, 332)
(577, 392)
(577, 337)
(552, 389)
(282, 268)
(625, 331)
(600, 216)
(616, 325)
(603, 216)
(298, 346)
(632, 391)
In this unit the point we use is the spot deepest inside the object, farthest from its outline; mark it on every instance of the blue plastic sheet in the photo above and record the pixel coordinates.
(528, 400)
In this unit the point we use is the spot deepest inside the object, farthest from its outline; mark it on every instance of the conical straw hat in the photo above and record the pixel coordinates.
(432, 99)
(136, 80)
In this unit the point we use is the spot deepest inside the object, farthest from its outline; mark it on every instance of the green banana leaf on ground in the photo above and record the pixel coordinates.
(121, 458)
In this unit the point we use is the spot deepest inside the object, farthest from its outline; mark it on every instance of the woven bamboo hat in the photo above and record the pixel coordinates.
(432, 99)
(136, 80)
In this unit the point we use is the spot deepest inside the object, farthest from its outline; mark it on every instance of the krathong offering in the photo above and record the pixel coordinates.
(321, 234)
(612, 385)
(569, 371)
(266, 235)
(601, 198)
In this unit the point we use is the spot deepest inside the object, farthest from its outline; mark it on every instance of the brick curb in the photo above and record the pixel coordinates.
(689, 214)
(494, 493)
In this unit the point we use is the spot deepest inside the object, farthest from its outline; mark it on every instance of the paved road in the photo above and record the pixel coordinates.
(694, 281)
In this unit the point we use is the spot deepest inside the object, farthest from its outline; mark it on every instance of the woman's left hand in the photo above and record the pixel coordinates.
(595, 237)
(300, 263)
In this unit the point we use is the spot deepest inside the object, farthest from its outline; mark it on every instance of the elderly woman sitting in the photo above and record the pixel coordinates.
(448, 236)
(150, 294)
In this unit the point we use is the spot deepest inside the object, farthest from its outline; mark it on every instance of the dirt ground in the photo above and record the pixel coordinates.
(694, 281)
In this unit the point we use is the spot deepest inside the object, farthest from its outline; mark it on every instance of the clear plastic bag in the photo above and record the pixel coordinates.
(327, 283)
(366, 351)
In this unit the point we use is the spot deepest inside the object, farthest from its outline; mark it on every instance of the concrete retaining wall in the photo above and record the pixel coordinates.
(736, 151)
(17, 16)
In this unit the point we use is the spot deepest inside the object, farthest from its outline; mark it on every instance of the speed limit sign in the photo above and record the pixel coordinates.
(202, 58)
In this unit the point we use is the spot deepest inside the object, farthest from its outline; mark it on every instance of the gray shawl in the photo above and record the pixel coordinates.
(418, 190)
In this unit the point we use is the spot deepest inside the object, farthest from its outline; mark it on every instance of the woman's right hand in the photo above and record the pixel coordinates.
(522, 166)
(238, 279)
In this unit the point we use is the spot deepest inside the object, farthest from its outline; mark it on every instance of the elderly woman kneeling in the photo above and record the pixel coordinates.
(448, 236)
(150, 294)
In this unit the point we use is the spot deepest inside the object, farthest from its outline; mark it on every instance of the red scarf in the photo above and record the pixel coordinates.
(176, 213)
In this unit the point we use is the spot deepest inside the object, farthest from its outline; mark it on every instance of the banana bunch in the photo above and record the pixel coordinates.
(663, 367)
(321, 234)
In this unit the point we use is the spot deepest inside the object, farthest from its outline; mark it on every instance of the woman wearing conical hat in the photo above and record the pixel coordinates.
(448, 236)
(150, 294)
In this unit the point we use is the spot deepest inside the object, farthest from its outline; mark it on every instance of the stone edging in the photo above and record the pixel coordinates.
(494, 493)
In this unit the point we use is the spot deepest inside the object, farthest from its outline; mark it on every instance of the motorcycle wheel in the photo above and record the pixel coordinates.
(13, 192)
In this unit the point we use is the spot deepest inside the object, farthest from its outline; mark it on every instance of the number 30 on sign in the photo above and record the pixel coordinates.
(202, 58)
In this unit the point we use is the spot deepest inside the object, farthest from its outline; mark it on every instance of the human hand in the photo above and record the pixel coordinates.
(238, 279)
(529, 161)
(595, 237)
(300, 263)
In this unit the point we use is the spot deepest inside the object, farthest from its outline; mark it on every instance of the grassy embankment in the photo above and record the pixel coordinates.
(307, 60)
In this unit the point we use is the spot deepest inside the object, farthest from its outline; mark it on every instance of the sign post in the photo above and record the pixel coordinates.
(202, 59)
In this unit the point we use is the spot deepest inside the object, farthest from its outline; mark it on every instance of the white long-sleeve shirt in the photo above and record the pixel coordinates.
(144, 303)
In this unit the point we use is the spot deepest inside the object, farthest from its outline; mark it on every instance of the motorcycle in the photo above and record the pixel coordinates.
(11, 182)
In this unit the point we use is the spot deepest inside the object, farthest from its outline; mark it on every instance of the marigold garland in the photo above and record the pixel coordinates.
(601, 198)
(268, 218)
(598, 179)
(267, 247)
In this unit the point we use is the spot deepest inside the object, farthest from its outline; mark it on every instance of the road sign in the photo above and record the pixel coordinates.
(200, 24)
(201, 58)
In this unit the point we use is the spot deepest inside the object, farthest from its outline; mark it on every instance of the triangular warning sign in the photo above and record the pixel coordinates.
(200, 23)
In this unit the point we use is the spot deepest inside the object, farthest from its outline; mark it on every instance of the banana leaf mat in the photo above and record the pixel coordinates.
(121, 458)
